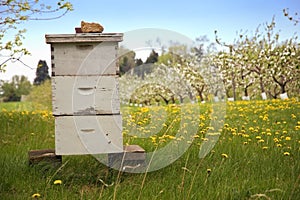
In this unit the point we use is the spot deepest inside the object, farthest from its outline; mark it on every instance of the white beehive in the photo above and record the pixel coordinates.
(85, 95)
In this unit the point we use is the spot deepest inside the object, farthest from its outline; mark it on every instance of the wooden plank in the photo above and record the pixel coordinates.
(85, 95)
(131, 152)
(132, 156)
(44, 155)
(83, 37)
(84, 58)
(77, 135)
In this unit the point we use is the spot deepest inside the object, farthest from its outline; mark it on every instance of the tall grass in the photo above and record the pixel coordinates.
(256, 156)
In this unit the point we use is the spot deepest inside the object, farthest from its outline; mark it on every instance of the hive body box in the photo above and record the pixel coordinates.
(85, 95)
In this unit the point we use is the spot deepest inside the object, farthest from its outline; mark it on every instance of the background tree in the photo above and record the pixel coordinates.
(42, 73)
(19, 85)
(15, 12)
(126, 60)
(261, 60)
(152, 58)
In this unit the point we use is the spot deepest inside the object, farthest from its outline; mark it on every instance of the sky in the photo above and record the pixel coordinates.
(189, 18)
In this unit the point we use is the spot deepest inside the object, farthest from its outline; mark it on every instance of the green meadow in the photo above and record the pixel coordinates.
(256, 156)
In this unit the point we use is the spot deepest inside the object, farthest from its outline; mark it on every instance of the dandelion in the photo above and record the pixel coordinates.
(276, 140)
(171, 137)
(258, 137)
(265, 148)
(36, 195)
(57, 182)
(287, 138)
(208, 171)
(224, 155)
(293, 116)
(279, 145)
(286, 153)
(261, 141)
(245, 143)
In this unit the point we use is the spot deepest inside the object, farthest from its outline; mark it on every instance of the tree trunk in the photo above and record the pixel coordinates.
(200, 91)
(165, 99)
(246, 91)
(262, 86)
(233, 86)
(180, 99)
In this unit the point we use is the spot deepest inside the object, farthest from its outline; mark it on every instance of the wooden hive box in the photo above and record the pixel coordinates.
(85, 93)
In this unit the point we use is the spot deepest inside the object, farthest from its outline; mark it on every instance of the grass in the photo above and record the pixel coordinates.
(257, 155)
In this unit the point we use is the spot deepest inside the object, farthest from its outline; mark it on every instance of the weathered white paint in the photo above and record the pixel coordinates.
(83, 37)
(284, 96)
(75, 135)
(85, 95)
(246, 98)
(84, 58)
(86, 102)
(263, 95)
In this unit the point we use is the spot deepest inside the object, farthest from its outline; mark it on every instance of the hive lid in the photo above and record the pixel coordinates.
(83, 37)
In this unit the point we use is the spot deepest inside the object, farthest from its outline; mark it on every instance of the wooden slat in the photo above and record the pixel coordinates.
(83, 37)
(75, 135)
(44, 155)
(84, 59)
(85, 95)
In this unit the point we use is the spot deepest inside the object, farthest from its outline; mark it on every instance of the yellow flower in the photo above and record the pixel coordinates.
(260, 141)
(264, 148)
(171, 137)
(287, 138)
(36, 195)
(208, 171)
(224, 155)
(286, 153)
(57, 182)
(258, 137)
(279, 145)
